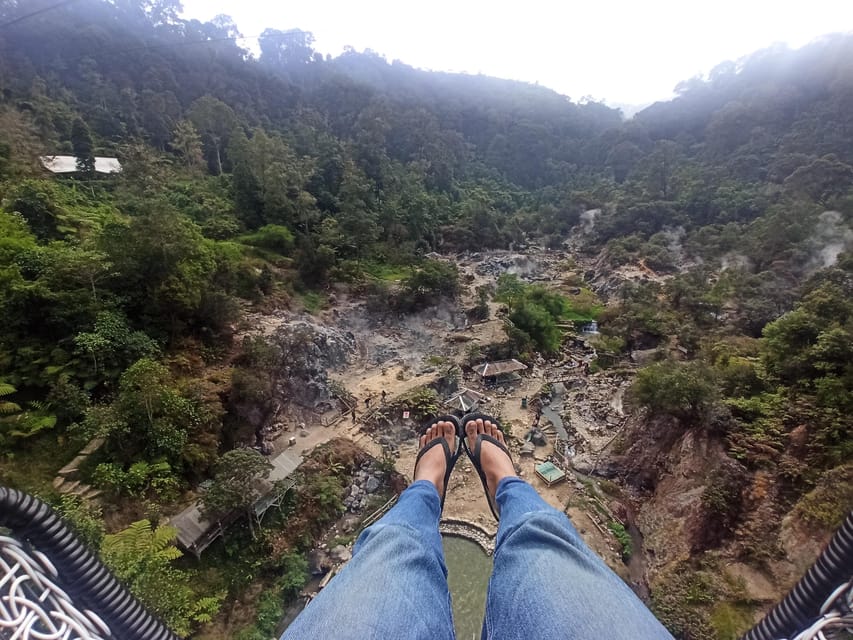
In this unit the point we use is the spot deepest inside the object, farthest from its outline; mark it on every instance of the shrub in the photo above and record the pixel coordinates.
(273, 237)
(827, 504)
(435, 279)
(682, 390)
(619, 532)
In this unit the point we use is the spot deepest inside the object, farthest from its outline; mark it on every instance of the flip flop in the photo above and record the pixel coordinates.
(450, 457)
(475, 455)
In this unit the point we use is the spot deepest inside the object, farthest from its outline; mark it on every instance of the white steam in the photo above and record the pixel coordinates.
(588, 220)
(830, 238)
(734, 260)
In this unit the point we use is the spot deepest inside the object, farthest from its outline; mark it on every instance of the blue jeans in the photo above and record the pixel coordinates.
(546, 583)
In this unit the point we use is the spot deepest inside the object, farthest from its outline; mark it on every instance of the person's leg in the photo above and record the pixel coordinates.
(546, 583)
(395, 586)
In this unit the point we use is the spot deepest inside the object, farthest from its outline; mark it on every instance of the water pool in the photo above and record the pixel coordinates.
(468, 571)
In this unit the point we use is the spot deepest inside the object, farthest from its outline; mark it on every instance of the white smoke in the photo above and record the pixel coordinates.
(588, 220)
(675, 239)
(831, 237)
(734, 260)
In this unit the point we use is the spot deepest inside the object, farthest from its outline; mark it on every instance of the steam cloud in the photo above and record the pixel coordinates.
(831, 237)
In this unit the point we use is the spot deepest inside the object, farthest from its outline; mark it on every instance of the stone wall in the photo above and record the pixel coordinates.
(469, 531)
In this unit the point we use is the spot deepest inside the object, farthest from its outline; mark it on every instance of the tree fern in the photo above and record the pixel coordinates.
(28, 425)
(7, 407)
(142, 557)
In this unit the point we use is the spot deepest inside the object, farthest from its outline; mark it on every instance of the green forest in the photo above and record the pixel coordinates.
(258, 182)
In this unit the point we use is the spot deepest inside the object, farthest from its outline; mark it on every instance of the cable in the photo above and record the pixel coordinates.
(26, 16)
(801, 607)
(83, 575)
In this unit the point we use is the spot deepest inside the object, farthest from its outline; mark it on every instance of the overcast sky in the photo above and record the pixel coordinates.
(620, 51)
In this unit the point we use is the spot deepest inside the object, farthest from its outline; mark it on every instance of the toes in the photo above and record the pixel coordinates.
(448, 429)
(423, 440)
(471, 428)
(481, 427)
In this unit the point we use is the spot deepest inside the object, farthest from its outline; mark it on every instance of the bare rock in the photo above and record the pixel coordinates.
(340, 554)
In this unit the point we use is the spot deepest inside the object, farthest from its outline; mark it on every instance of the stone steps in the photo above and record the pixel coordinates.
(65, 481)
(69, 486)
(73, 467)
(81, 490)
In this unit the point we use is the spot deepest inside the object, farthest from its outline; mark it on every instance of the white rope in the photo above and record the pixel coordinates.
(33, 606)
(836, 619)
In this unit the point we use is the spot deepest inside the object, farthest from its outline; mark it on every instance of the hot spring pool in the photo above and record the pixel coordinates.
(468, 571)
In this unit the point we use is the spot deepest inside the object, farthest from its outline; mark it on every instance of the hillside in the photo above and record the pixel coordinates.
(265, 201)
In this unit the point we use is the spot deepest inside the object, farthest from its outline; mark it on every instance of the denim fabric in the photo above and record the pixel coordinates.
(395, 586)
(546, 584)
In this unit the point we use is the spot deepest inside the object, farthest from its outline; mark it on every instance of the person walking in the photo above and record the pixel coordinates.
(546, 583)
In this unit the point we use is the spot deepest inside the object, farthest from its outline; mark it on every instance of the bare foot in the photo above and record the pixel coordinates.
(496, 464)
(432, 466)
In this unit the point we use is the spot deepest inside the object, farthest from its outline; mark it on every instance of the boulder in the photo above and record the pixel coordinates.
(372, 485)
(318, 563)
(340, 554)
(582, 463)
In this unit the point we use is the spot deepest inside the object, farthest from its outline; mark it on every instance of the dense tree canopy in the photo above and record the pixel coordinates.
(264, 180)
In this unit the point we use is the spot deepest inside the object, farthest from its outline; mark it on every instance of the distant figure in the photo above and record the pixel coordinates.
(384, 395)
(352, 413)
(586, 368)
(546, 583)
(367, 402)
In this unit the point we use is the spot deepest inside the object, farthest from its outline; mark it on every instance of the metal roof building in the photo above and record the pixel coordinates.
(466, 400)
(492, 369)
(195, 533)
(68, 164)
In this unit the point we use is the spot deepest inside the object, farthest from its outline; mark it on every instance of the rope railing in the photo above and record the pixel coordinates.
(33, 606)
(836, 619)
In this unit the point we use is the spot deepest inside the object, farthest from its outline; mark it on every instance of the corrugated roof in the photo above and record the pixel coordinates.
(191, 526)
(549, 473)
(195, 533)
(498, 368)
(466, 400)
(68, 164)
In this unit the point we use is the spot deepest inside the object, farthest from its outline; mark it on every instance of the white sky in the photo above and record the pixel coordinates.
(621, 51)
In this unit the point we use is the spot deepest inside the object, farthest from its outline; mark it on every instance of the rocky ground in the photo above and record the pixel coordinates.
(368, 355)
(354, 356)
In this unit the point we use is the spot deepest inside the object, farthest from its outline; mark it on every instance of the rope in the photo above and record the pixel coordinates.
(33, 14)
(821, 600)
(85, 580)
(33, 606)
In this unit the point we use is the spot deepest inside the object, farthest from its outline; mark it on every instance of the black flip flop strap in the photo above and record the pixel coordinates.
(448, 454)
(484, 436)
(459, 435)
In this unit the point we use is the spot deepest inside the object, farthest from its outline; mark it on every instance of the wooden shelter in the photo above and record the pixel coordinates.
(196, 533)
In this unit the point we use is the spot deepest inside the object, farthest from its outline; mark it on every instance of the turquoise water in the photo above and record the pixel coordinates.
(468, 571)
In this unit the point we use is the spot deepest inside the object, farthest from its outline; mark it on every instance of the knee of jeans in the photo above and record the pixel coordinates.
(395, 534)
(542, 527)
